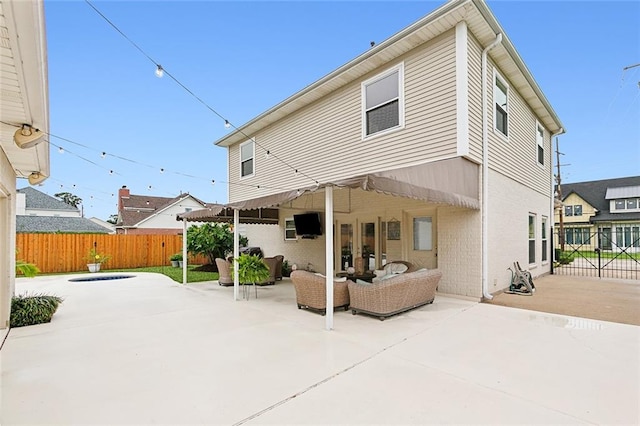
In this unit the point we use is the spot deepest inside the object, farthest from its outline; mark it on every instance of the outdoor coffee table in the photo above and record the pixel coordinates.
(353, 277)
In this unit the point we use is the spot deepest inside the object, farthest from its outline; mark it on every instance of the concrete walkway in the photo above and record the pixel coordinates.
(147, 350)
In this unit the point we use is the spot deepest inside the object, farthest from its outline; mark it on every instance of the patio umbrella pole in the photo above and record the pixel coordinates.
(184, 251)
(328, 231)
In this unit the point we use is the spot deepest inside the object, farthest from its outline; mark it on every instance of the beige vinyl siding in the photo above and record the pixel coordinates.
(475, 98)
(516, 156)
(324, 139)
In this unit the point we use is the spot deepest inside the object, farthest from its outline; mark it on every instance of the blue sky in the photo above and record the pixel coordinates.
(241, 58)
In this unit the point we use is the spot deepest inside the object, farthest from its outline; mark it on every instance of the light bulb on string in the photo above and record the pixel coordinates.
(111, 172)
(298, 192)
(104, 154)
(213, 181)
(295, 172)
(149, 188)
(61, 150)
(159, 71)
(267, 155)
(161, 170)
(227, 124)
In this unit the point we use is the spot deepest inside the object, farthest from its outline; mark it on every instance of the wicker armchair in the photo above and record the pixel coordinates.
(279, 260)
(394, 295)
(272, 264)
(311, 292)
(224, 270)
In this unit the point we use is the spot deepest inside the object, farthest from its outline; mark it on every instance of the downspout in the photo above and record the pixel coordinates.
(485, 172)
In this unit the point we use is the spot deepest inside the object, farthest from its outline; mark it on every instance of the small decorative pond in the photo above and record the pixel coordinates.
(101, 278)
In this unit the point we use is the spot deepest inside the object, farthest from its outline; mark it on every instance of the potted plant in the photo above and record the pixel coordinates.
(251, 269)
(176, 259)
(95, 259)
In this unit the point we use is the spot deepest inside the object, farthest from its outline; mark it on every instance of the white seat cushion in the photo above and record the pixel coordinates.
(395, 268)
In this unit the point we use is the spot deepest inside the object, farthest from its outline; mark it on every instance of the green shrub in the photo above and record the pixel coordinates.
(565, 258)
(177, 256)
(30, 309)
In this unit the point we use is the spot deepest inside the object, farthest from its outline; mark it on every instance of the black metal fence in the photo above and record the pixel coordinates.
(605, 253)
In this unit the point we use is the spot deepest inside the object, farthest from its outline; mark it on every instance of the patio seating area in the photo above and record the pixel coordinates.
(148, 350)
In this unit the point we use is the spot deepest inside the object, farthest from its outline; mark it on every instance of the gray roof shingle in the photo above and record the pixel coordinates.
(26, 224)
(39, 200)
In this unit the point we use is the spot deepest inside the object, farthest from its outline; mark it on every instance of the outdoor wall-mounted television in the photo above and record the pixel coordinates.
(307, 224)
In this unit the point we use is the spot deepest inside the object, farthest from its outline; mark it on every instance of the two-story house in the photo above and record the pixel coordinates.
(24, 123)
(601, 214)
(145, 214)
(433, 147)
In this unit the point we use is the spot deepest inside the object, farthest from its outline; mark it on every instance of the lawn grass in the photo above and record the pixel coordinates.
(175, 273)
(607, 254)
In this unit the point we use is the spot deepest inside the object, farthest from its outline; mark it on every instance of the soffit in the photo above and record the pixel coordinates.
(23, 82)
(481, 23)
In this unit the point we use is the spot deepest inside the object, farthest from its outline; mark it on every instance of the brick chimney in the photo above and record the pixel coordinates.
(123, 193)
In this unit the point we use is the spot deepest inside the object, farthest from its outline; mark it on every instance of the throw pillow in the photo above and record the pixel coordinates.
(340, 280)
(395, 268)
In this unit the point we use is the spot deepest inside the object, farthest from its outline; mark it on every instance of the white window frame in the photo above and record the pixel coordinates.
(539, 143)
(532, 238)
(544, 229)
(427, 233)
(292, 227)
(400, 70)
(497, 76)
(253, 157)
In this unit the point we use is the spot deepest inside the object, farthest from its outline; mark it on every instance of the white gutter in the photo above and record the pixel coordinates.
(485, 172)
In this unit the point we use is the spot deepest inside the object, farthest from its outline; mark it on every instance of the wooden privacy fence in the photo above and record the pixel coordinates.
(66, 252)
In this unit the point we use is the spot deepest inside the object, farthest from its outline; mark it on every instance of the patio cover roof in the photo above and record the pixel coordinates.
(453, 182)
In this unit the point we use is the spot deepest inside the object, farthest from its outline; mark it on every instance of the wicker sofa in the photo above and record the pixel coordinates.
(394, 295)
(311, 292)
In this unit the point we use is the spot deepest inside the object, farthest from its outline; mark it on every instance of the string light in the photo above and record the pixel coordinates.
(61, 150)
(111, 172)
(104, 154)
(161, 170)
(160, 71)
(267, 155)
(295, 172)
(213, 181)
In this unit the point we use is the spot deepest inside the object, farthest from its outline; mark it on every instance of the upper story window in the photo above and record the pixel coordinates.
(573, 210)
(540, 143)
(501, 100)
(247, 154)
(383, 101)
(626, 204)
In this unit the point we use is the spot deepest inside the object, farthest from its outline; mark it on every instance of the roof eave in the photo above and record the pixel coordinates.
(271, 115)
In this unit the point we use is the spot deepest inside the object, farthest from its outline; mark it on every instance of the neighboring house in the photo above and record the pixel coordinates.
(39, 212)
(602, 214)
(25, 108)
(143, 214)
(110, 226)
(418, 150)
(31, 202)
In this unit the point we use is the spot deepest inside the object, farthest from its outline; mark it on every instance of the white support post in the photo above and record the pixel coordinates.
(328, 232)
(184, 251)
(236, 253)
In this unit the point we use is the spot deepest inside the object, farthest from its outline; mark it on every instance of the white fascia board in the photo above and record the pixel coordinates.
(462, 89)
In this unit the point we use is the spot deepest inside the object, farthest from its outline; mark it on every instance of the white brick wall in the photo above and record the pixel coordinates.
(459, 251)
(509, 208)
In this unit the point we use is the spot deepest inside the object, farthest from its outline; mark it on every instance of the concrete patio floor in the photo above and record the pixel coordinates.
(147, 350)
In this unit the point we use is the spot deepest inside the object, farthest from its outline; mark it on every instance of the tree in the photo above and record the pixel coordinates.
(69, 198)
(212, 240)
(113, 219)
